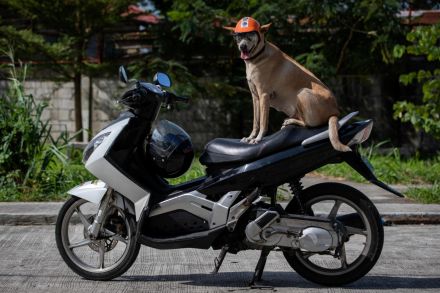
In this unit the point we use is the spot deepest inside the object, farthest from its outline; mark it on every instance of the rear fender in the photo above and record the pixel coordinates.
(362, 166)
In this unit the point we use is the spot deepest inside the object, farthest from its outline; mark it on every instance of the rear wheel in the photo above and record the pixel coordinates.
(362, 227)
(104, 258)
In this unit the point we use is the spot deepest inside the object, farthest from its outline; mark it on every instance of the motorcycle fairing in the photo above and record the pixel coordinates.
(102, 168)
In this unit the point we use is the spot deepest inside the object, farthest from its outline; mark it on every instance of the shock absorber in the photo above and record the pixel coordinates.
(296, 188)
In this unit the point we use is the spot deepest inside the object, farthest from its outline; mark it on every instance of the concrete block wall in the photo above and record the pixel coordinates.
(202, 118)
(196, 118)
(60, 99)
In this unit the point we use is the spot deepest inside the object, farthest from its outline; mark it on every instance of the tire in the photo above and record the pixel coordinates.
(370, 223)
(87, 271)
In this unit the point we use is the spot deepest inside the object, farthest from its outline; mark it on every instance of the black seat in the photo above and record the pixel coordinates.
(228, 151)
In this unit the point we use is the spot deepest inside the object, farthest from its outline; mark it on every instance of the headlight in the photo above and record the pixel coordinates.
(91, 147)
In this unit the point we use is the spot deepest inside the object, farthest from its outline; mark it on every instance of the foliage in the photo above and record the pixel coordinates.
(358, 35)
(425, 116)
(425, 194)
(197, 170)
(72, 23)
(391, 168)
(52, 186)
(27, 147)
(32, 163)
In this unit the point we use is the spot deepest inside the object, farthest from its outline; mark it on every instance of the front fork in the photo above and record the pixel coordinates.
(94, 229)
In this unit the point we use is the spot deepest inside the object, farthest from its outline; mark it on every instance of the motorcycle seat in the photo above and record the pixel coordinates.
(229, 151)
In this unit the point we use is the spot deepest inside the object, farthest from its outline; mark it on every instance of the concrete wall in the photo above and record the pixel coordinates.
(195, 118)
(60, 99)
(202, 119)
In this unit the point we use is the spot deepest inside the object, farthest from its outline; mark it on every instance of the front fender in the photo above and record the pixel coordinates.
(92, 191)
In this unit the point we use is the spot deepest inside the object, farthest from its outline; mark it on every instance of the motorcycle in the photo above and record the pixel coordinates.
(329, 233)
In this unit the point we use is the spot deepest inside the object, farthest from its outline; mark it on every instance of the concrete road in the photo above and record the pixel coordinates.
(29, 262)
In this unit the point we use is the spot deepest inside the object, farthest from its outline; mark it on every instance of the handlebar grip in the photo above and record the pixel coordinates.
(178, 99)
(182, 99)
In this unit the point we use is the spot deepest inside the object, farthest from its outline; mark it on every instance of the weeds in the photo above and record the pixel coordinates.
(33, 164)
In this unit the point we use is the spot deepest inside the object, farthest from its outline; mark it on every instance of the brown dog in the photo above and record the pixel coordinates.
(276, 80)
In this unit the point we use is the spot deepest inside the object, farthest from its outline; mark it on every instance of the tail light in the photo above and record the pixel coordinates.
(362, 135)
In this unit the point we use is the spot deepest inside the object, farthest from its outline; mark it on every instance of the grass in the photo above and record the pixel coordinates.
(390, 168)
(197, 170)
(51, 187)
(425, 194)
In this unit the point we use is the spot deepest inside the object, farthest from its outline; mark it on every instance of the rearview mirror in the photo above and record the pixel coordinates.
(123, 74)
(162, 79)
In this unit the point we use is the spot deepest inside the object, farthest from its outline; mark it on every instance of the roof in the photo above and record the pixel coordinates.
(419, 17)
(137, 13)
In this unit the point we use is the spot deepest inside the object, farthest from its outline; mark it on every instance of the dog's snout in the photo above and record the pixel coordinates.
(243, 47)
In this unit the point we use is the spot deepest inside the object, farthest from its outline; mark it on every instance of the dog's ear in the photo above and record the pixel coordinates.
(229, 28)
(264, 28)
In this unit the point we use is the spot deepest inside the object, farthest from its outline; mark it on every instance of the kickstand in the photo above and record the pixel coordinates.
(219, 260)
(254, 284)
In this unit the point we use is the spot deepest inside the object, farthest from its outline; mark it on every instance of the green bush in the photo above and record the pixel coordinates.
(33, 165)
(391, 168)
(424, 115)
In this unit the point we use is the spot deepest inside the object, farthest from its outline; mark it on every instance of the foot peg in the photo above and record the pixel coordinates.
(219, 260)
(259, 270)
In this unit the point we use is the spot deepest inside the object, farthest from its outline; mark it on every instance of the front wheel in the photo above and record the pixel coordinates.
(363, 230)
(104, 258)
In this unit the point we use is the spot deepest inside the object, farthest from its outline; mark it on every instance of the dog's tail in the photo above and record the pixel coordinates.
(334, 136)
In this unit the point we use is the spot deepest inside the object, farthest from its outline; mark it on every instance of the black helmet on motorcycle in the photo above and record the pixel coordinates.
(171, 149)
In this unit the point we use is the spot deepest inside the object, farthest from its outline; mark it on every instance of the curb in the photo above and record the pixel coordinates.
(27, 220)
(389, 219)
(426, 218)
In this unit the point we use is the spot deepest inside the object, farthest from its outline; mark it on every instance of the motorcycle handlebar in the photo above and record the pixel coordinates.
(143, 89)
(176, 98)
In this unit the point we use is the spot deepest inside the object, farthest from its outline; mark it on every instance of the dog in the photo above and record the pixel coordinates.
(276, 80)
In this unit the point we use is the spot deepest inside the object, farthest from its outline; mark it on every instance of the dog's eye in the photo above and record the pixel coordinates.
(237, 37)
(249, 36)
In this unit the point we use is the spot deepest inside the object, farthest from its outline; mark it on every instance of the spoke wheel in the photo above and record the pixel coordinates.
(360, 225)
(106, 257)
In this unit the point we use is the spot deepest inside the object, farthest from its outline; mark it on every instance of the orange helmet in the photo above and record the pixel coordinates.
(247, 24)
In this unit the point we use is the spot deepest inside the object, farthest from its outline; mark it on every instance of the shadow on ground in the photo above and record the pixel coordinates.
(287, 279)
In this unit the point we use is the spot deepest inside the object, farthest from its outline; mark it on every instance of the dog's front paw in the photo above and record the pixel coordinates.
(255, 140)
(246, 139)
(286, 122)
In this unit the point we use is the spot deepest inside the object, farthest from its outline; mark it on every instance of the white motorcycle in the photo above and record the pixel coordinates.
(330, 233)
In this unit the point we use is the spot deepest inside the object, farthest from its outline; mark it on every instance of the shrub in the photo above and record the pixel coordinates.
(32, 163)
(425, 115)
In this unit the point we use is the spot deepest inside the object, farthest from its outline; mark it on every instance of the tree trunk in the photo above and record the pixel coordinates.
(78, 107)
(90, 108)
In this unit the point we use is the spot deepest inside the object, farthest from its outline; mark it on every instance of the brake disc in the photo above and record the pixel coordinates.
(109, 243)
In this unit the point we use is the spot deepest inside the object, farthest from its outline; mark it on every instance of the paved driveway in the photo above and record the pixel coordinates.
(29, 262)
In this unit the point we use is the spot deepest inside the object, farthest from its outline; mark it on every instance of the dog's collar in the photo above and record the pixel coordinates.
(258, 53)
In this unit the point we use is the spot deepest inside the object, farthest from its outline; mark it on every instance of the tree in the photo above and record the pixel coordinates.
(425, 115)
(72, 24)
(328, 37)
(343, 36)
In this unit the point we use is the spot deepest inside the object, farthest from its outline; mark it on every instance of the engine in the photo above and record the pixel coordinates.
(291, 231)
